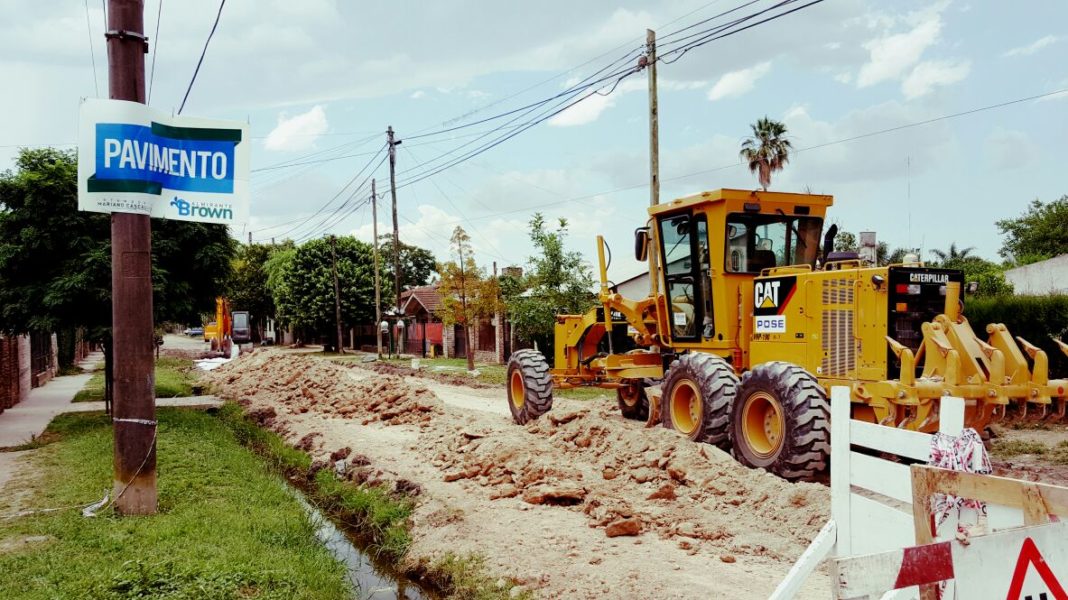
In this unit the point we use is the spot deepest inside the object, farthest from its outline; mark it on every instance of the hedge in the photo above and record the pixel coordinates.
(1034, 318)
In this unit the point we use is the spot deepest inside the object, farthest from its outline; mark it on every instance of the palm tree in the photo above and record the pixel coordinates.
(953, 255)
(767, 150)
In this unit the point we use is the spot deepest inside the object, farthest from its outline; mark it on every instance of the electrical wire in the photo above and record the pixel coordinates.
(319, 225)
(92, 53)
(155, 51)
(680, 51)
(204, 51)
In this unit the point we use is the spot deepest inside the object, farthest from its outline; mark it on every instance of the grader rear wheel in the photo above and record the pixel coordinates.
(781, 421)
(633, 402)
(530, 388)
(699, 390)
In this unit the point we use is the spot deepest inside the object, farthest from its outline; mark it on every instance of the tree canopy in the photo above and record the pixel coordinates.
(301, 282)
(247, 288)
(467, 295)
(55, 261)
(557, 281)
(418, 265)
(767, 150)
(1038, 234)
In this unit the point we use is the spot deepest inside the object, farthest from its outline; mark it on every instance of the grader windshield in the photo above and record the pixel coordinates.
(761, 241)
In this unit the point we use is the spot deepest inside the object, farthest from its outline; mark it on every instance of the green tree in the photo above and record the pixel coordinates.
(247, 288)
(467, 295)
(767, 150)
(55, 261)
(557, 281)
(418, 265)
(1040, 233)
(898, 255)
(302, 286)
(953, 255)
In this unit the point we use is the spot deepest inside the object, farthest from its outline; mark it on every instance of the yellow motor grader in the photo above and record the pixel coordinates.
(749, 322)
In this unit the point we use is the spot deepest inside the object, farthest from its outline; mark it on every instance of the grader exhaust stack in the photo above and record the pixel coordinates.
(750, 325)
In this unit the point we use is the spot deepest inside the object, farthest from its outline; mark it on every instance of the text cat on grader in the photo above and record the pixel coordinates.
(742, 337)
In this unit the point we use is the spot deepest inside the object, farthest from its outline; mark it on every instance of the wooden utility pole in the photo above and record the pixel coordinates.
(378, 286)
(654, 152)
(134, 408)
(393, 192)
(337, 295)
(250, 238)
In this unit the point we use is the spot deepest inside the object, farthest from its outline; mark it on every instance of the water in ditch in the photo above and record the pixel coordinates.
(368, 579)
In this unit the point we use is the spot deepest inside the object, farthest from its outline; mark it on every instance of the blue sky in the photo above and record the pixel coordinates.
(313, 75)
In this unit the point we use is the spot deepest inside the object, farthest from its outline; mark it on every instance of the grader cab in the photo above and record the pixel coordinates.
(749, 322)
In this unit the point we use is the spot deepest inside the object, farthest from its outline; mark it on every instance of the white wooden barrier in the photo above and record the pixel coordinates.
(861, 523)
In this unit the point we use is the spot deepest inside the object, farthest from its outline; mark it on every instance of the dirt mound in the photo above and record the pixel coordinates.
(300, 384)
(628, 480)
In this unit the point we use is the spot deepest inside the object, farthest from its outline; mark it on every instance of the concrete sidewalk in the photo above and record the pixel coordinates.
(22, 422)
(28, 419)
(197, 402)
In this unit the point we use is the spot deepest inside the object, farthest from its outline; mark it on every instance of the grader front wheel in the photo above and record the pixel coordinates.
(530, 388)
(699, 390)
(781, 421)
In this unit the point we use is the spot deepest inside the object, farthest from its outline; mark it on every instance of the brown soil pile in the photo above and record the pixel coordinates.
(629, 479)
(299, 384)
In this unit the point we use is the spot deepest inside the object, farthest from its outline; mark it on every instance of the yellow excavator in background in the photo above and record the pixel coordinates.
(750, 322)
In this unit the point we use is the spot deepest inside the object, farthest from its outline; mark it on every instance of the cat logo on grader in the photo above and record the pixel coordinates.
(749, 322)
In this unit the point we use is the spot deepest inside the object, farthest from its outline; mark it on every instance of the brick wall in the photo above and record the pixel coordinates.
(9, 372)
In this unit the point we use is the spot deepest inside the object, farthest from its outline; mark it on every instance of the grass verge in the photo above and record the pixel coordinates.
(1057, 454)
(226, 528)
(377, 516)
(174, 379)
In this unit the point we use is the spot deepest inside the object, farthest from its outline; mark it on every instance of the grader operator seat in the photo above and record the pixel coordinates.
(760, 260)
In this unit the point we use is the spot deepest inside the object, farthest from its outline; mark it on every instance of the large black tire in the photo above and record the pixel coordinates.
(530, 388)
(781, 422)
(633, 401)
(699, 390)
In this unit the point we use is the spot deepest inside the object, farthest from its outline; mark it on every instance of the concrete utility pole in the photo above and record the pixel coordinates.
(378, 287)
(134, 410)
(337, 295)
(250, 238)
(654, 153)
(393, 191)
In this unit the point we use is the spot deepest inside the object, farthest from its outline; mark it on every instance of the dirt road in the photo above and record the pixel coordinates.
(540, 502)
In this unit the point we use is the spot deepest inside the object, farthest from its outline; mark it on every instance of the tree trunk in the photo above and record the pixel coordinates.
(470, 348)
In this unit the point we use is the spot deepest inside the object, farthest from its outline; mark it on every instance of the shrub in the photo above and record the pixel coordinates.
(1034, 318)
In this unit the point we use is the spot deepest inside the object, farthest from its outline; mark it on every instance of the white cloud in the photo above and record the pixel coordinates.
(298, 132)
(417, 94)
(844, 77)
(737, 83)
(585, 111)
(1009, 149)
(931, 73)
(891, 56)
(1033, 47)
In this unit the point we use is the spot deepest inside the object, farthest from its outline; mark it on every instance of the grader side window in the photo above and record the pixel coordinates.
(756, 242)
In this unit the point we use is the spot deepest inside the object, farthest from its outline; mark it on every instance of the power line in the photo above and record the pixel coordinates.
(92, 53)
(324, 207)
(155, 51)
(716, 35)
(204, 51)
(798, 151)
(703, 38)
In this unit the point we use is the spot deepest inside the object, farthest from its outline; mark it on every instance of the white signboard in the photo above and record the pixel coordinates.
(134, 159)
(1029, 563)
